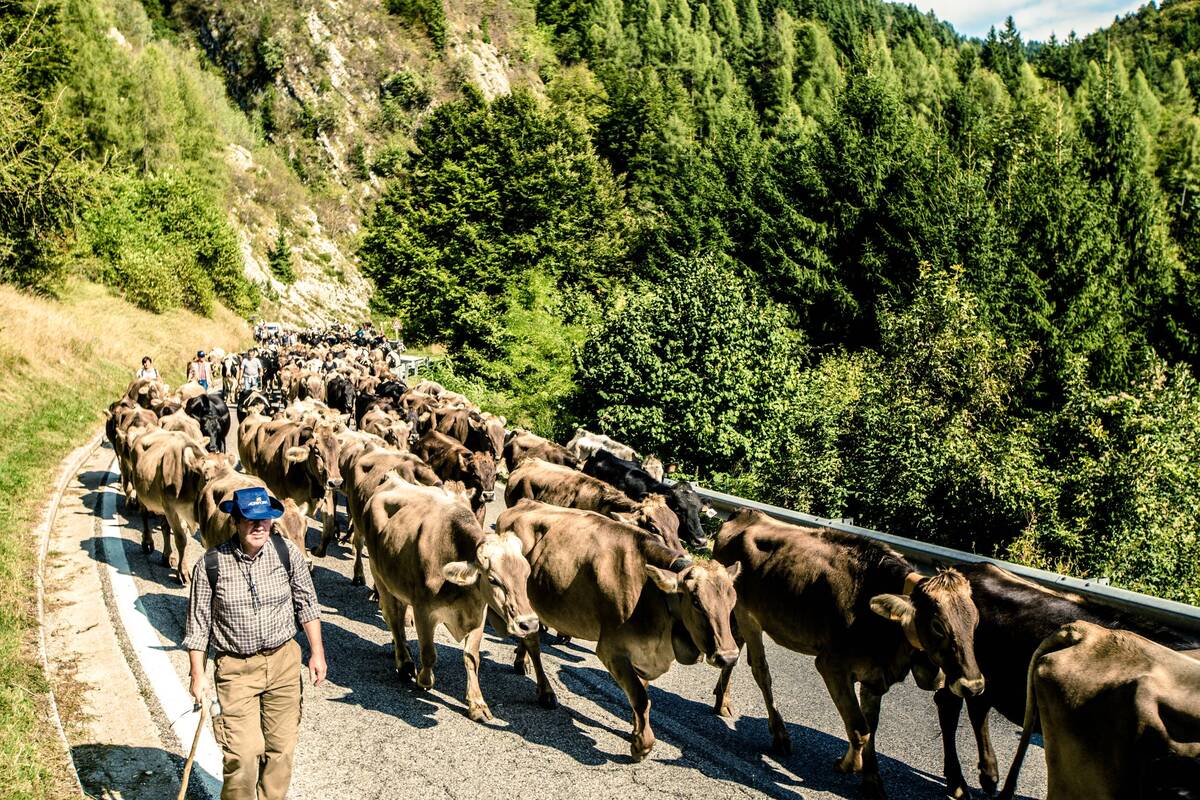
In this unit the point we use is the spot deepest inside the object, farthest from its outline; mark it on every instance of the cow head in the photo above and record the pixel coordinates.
(213, 415)
(654, 516)
(481, 467)
(501, 573)
(684, 501)
(705, 602)
(939, 617)
(496, 433)
(319, 454)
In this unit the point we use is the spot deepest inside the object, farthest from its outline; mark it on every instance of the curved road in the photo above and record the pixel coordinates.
(366, 735)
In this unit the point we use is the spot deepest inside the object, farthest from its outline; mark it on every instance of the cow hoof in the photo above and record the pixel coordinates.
(478, 712)
(519, 665)
(562, 638)
(373, 596)
(989, 784)
(724, 710)
(640, 749)
(782, 746)
(425, 679)
(407, 673)
(319, 551)
(358, 580)
(147, 548)
(548, 700)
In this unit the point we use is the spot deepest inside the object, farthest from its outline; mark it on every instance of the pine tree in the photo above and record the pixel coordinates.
(279, 258)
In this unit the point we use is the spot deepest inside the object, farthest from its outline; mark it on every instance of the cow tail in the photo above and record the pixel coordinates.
(1055, 641)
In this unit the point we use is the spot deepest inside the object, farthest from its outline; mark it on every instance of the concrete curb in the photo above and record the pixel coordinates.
(68, 470)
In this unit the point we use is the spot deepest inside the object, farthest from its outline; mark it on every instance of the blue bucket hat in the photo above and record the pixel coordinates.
(253, 503)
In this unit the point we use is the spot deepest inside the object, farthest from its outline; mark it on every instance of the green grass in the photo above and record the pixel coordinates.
(35, 436)
(63, 362)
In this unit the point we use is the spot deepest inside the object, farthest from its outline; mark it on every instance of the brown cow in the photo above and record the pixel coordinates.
(523, 444)
(562, 486)
(369, 467)
(144, 392)
(600, 587)
(388, 427)
(169, 472)
(454, 462)
(299, 461)
(1120, 716)
(429, 552)
(181, 422)
(480, 432)
(839, 597)
(124, 417)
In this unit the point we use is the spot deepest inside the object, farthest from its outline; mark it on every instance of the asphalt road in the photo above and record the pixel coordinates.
(367, 735)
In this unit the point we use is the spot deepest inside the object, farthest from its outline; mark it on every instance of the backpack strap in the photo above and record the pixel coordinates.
(285, 555)
(212, 568)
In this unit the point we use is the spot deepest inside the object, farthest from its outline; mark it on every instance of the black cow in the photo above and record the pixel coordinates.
(1015, 615)
(630, 478)
(392, 390)
(213, 415)
(339, 394)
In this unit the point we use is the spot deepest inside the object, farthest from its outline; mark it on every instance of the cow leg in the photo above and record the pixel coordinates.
(147, 540)
(393, 613)
(328, 527)
(989, 770)
(477, 707)
(872, 784)
(721, 706)
(780, 740)
(546, 696)
(179, 530)
(359, 578)
(642, 741)
(841, 690)
(425, 628)
(949, 706)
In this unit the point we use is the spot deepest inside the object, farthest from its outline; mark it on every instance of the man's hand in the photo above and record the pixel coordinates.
(199, 689)
(317, 667)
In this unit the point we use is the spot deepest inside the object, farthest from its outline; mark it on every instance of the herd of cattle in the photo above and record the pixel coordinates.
(592, 545)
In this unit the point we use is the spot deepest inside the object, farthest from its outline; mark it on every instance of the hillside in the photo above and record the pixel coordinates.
(827, 254)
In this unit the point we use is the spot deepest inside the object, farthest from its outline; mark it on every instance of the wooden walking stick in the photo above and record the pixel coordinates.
(187, 767)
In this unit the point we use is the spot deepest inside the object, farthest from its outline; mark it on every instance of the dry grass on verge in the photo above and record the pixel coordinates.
(61, 363)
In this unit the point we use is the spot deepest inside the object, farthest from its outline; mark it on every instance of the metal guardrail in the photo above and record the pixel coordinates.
(1165, 612)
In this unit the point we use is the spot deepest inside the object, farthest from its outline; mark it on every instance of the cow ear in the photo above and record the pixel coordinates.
(895, 607)
(664, 579)
(464, 461)
(296, 454)
(462, 573)
(628, 517)
(734, 570)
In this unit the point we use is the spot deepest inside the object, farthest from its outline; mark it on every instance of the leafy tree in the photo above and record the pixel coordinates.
(699, 366)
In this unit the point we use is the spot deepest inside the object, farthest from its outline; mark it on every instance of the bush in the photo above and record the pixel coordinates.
(166, 243)
(279, 258)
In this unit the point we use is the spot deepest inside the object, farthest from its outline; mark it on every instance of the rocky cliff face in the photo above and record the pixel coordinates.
(338, 86)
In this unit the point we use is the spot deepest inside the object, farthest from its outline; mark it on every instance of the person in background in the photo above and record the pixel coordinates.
(248, 597)
(148, 370)
(250, 372)
(198, 370)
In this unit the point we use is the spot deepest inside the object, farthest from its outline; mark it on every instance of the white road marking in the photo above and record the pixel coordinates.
(173, 696)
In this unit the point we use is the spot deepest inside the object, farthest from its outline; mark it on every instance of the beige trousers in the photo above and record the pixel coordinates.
(260, 720)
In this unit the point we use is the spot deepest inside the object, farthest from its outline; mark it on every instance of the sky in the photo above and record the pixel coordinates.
(1035, 19)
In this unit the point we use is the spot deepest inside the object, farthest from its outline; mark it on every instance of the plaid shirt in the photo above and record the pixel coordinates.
(257, 605)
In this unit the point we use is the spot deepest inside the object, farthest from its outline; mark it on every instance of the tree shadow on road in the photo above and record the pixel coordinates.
(134, 773)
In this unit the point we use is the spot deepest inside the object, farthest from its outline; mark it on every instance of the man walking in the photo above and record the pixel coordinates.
(248, 595)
